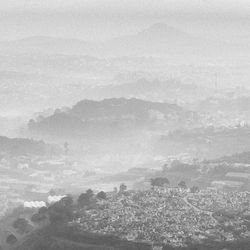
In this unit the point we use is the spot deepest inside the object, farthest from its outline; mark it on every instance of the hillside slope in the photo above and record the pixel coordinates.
(111, 115)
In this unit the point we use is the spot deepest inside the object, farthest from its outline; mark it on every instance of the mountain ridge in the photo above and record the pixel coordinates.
(157, 40)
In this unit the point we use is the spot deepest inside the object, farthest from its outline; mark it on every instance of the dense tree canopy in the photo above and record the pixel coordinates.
(159, 182)
(83, 200)
(11, 239)
(21, 225)
(90, 193)
(101, 196)
(61, 211)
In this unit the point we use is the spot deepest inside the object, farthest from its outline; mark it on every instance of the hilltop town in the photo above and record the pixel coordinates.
(160, 217)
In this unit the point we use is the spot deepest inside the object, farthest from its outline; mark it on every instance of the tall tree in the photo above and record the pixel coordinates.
(123, 188)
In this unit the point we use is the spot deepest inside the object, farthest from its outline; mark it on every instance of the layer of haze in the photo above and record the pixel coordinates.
(103, 19)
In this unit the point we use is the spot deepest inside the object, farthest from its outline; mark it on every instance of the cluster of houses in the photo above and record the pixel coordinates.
(159, 217)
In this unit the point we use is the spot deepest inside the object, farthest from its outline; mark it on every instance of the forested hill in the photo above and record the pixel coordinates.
(118, 107)
(113, 114)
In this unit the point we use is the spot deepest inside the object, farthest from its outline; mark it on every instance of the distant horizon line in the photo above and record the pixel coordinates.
(163, 24)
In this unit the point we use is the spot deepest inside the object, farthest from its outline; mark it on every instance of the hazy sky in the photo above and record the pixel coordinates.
(91, 19)
(107, 5)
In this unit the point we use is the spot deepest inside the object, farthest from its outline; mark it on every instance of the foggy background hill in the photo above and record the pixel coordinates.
(23, 146)
(159, 39)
